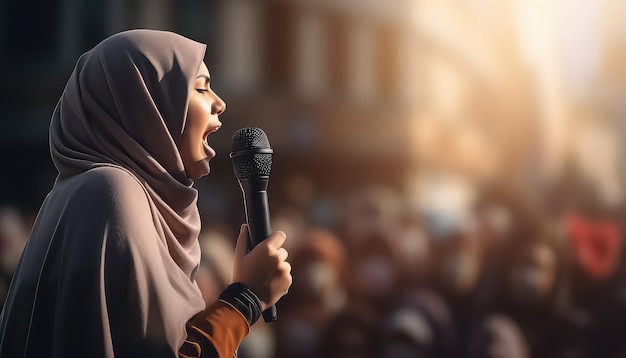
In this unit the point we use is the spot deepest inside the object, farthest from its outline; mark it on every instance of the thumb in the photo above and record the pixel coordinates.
(241, 249)
(277, 239)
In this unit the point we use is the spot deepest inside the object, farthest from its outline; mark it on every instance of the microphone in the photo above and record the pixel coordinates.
(252, 162)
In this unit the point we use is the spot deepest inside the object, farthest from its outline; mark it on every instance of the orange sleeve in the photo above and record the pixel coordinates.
(215, 332)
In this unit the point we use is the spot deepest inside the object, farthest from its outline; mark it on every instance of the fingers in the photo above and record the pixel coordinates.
(285, 267)
(276, 240)
(242, 242)
(282, 254)
(284, 273)
(264, 269)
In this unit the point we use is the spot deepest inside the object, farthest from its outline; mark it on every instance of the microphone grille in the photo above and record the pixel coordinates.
(250, 138)
(251, 153)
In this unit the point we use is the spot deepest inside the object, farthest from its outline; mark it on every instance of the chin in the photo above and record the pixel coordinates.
(198, 169)
(197, 173)
(200, 175)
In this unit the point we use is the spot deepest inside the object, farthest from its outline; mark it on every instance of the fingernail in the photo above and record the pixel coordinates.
(283, 234)
(242, 228)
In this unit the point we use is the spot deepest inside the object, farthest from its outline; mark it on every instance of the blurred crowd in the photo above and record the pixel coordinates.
(376, 275)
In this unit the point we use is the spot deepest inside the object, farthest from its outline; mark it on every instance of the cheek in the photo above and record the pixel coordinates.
(195, 125)
(201, 109)
(187, 145)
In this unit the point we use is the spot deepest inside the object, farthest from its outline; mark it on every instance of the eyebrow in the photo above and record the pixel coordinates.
(206, 78)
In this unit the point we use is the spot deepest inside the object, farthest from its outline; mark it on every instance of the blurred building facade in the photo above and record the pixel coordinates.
(375, 90)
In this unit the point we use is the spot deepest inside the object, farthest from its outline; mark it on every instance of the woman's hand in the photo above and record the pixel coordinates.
(264, 269)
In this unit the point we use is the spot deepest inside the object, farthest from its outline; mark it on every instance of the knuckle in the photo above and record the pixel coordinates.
(286, 277)
(275, 258)
(263, 250)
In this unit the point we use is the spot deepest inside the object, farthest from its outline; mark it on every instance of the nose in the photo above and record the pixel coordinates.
(219, 106)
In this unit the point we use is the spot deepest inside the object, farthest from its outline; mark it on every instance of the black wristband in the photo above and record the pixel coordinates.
(244, 300)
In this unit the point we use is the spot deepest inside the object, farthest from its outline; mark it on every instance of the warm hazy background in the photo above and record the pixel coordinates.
(356, 91)
(409, 113)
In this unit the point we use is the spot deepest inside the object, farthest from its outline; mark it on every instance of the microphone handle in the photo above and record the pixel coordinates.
(258, 219)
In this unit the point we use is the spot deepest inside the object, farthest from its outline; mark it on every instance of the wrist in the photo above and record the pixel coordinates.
(244, 300)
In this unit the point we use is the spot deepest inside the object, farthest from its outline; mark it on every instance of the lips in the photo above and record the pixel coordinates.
(211, 130)
(205, 140)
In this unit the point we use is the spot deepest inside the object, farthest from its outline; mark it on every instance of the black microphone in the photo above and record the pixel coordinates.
(252, 162)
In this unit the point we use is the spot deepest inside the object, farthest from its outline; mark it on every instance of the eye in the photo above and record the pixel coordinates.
(202, 90)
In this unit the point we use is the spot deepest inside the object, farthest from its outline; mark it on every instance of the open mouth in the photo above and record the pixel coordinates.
(205, 137)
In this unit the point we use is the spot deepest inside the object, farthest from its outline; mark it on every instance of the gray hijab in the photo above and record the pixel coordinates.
(125, 105)
(109, 267)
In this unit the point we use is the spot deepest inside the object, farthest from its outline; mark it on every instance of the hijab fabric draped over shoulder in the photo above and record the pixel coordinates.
(114, 249)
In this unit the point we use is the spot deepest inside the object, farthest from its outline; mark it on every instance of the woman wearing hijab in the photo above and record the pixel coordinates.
(109, 269)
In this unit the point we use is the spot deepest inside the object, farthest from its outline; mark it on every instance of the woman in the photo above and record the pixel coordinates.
(109, 269)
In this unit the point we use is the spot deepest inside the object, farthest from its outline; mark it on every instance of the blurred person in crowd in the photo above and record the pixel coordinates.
(504, 216)
(414, 249)
(13, 236)
(320, 274)
(110, 266)
(352, 333)
(595, 238)
(458, 277)
(594, 233)
(419, 325)
(534, 297)
(372, 219)
(459, 261)
(374, 271)
(368, 212)
(498, 337)
(596, 245)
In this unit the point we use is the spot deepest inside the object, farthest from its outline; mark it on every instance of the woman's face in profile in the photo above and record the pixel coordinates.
(202, 120)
